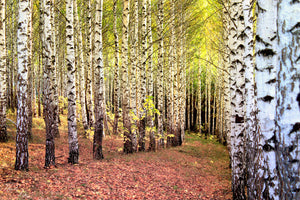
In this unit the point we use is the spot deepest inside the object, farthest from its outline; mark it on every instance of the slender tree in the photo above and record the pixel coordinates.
(125, 82)
(142, 122)
(3, 101)
(152, 143)
(160, 73)
(116, 75)
(99, 73)
(72, 124)
(49, 86)
(22, 85)
(236, 44)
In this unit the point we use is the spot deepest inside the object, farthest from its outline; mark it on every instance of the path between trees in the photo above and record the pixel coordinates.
(197, 170)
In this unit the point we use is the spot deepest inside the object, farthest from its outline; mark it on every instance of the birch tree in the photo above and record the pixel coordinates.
(3, 101)
(288, 100)
(116, 75)
(265, 78)
(160, 67)
(99, 73)
(22, 86)
(152, 143)
(236, 44)
(142, 122)
(49, 89)
(72, 123)
(125, 103)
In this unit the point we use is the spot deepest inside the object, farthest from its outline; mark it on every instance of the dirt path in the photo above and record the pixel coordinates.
(197, 170)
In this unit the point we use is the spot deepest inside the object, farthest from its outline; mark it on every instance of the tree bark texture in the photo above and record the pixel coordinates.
(22, 87)
(71, 90)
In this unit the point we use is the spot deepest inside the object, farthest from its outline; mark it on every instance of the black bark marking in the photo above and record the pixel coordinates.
(294, 1)
(271, 81)
(267, 98)
(295, 29)
(298, 99)
(266, 52)
(296, 128)
(239, 119)
(268, 148)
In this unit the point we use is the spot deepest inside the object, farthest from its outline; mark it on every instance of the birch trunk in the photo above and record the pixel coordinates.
(22, 86)
(3, 101)
(265, 78)
(288, 100)
(152, 144)
(71, 90)
(82, 72)
(160, 74)
(49, 90)
(99, 73)
(128, 147)
(142, 114)
(89, 70)
(236, 44)
(116, 75)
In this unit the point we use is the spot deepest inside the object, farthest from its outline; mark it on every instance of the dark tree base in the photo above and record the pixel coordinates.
(73, 157)
(3, 135)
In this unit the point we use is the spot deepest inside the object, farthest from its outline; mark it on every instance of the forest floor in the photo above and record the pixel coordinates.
(199, 169)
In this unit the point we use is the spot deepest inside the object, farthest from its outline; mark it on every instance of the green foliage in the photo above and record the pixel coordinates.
(63, 103)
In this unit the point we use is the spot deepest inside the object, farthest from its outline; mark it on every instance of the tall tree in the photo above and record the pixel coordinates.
(49, 86)
(89, 69)
(116, 75)
(236, 44)
(72, 123)
(22, 86)
(99, 74)
(288, 100)
(152, 143)
(160, 74)
(125, 82)
(142, 122)
(3, 101)
(265, 78)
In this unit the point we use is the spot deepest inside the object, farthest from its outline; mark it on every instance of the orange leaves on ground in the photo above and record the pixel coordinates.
(193, 171)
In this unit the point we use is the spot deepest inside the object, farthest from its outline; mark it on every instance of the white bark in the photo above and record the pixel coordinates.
(160, 73)
(265, 78)
(22, 86)
(71, 90)
(288, 100)
(236, 44)
(3, 101)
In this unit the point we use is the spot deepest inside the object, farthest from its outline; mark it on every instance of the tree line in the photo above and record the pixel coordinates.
(154, 69)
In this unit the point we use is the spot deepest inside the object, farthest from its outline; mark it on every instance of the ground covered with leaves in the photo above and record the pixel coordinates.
(197, 170)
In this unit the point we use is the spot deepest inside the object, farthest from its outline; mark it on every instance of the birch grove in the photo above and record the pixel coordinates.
(156, 74)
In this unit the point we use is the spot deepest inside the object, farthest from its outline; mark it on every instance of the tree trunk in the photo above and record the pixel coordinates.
(142, 114)
(99, 73)
(22, 86)
(152, 143)
(49, 90)
(116, 75)
(160, 74)
(288, 100)
(236, 43)
(72, 124)
(89, 61)
(128, 148)
(3, 101)
(265, 178)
